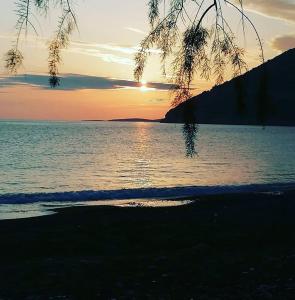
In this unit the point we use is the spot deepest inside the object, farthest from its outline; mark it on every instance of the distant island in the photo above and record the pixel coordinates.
(136, 120)
(266, 94)
(126, 120)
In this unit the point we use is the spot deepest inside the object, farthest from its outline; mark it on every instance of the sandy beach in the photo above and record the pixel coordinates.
(239, 246)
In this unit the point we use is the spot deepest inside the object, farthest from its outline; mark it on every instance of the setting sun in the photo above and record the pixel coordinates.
(143, 87)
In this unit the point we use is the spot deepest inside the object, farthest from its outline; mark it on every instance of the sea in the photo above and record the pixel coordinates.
(52, 164)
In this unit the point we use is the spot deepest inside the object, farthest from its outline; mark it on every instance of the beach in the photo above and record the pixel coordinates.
(234, 246)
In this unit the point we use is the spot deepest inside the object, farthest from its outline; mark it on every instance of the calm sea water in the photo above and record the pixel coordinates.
(105, 160)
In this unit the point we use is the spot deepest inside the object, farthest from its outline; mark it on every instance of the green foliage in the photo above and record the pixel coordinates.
(13, 60)
(67, 23)
(194, 47)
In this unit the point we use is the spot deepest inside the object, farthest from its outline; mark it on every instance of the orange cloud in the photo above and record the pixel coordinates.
(282, 9)
(283, 43)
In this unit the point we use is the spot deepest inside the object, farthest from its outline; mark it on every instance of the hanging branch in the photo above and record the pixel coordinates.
(205, 48)
(66, 25)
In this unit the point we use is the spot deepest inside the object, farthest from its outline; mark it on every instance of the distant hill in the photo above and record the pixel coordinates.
(266, 94)
(126, 120)
(134, 120)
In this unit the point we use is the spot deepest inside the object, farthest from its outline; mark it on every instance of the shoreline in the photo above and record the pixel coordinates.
(234, 246)
(15, 206)
(34, 210)
(170, 192)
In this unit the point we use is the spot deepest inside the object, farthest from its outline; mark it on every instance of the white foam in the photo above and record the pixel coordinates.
(143, 193)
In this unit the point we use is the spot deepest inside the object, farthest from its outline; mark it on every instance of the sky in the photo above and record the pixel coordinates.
(97, 69)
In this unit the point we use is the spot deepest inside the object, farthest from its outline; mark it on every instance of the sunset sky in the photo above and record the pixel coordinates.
(98, 66)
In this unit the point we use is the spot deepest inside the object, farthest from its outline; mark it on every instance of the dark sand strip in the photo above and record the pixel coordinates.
(220, 247)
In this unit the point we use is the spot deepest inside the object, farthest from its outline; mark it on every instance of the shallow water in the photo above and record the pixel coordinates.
(38, 209)
(131, 159)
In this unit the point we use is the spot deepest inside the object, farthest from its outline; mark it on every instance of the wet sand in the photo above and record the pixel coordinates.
(219, 247)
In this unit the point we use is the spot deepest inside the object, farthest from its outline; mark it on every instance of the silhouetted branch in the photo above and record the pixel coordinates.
(208, 50)
(190, 132)
(66, 25)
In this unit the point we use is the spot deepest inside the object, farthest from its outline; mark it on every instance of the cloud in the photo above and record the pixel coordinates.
(283, 9)
(109, 47)
(157, 100)
(106, 57)
(108, 52)
(72, 82)
(111, 53)
(135, 30)
(283, 43)
(105, 52)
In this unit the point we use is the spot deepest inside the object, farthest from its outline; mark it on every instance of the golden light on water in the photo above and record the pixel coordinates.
(141, 165)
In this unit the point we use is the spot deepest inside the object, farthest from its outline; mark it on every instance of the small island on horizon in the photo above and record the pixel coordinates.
(127, 120)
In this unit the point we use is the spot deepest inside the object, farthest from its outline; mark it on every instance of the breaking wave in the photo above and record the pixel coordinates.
(141, 193)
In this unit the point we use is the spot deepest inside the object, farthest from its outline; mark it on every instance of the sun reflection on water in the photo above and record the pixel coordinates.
(117, 156)
(142, 175)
